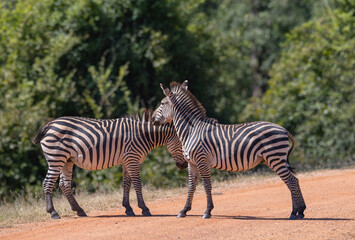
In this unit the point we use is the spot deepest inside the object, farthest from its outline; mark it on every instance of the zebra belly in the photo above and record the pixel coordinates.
(83, 163)
(94, 164)
(232, 165)
(254, 163)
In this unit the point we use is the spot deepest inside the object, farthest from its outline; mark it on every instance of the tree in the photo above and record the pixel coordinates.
(311, 90)
(60, 57)
(30, 90)
(247, 37)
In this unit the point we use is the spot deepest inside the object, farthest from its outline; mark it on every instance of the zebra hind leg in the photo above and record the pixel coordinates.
(298, 204)
(48, 184)
(133, 170)
(193, 174)
(65, 186)
(126, 189)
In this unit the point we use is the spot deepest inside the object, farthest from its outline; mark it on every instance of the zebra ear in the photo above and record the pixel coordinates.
(166, 90)
(184, 85)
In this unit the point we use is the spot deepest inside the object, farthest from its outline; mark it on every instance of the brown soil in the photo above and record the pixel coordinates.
(258, 210)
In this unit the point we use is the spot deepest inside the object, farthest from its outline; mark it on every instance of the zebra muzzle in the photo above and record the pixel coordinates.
(182, 165)
(156, 123)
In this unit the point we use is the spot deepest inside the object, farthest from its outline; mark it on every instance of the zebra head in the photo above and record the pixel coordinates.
(165, 112)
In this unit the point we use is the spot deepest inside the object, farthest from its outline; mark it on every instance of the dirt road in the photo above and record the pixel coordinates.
(258, 210)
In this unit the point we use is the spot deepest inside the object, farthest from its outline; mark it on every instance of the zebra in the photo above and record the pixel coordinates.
(238, 147)
(96, 144)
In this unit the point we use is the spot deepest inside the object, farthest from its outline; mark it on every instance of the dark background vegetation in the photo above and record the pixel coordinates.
(289, 62)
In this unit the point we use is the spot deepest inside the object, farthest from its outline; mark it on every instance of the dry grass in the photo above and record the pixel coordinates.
(25, 209)
(28, 209)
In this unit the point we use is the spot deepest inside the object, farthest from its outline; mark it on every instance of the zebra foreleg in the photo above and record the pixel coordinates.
(48, 184)
(126, 188)
(204, 170)
(133, 170)
(65, 186)
(193, 175)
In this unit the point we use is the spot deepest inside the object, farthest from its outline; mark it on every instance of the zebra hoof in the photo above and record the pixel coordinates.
(206, 216)
(81, 213)
(293, 217)
(55, 215)
(146, 213)
(130, 213)
(181, 215)
(300, 216)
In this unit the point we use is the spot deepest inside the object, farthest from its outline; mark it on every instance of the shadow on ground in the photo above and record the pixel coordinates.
(227, 217)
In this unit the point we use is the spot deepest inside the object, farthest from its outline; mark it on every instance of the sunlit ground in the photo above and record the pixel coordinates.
(29, 209)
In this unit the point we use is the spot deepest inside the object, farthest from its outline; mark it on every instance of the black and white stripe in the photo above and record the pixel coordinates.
(240, 147)
(99, 144)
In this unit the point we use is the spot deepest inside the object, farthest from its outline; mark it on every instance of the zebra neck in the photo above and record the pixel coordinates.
(184, 126)
(157, 135)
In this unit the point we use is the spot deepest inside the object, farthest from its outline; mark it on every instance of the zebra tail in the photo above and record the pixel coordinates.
(41, 132)
(289, 152)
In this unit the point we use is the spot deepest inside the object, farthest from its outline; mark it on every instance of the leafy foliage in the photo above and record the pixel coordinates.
(312, 91)
(104, 59)
(30, 89)
(90, 58)
(247, 38)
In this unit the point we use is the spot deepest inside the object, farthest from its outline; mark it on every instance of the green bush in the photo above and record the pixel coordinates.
(312, 92)
(106, 58)
(247, 40)
(90, 58)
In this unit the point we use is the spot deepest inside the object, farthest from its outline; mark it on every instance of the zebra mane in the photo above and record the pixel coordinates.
(145, 116)
(176, 88)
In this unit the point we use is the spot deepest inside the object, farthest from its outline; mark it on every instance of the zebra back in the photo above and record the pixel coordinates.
(101, 143)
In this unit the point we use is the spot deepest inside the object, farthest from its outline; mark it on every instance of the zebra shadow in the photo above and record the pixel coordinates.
(224, 217)
(285, 219)
(136, 216)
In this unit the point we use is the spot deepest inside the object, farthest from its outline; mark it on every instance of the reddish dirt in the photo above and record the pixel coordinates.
(258, 210)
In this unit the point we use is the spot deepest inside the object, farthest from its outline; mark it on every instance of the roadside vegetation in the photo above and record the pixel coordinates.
(289, 62)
